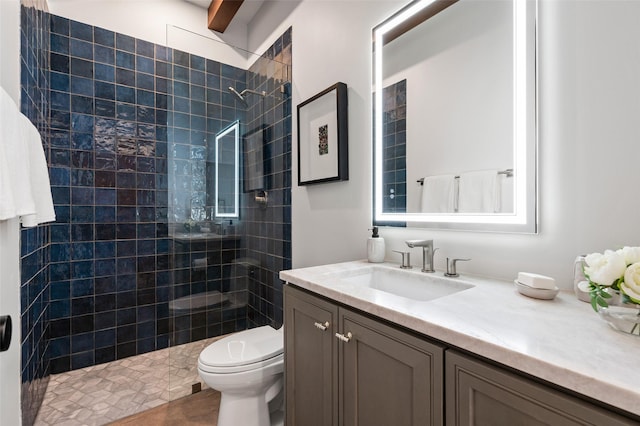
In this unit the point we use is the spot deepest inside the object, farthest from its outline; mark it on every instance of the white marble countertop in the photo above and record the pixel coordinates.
(561, 341)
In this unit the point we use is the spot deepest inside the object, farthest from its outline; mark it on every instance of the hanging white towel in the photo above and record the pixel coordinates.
(39, 177)
(479, 192)
(25, 190)
(438, 194)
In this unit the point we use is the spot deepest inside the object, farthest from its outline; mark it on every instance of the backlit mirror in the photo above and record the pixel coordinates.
(227, 171)
(455, 116)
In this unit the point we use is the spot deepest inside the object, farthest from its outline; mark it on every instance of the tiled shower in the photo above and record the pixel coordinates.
(126, 126)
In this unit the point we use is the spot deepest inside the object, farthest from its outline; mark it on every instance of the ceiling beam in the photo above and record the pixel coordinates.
(221, 12)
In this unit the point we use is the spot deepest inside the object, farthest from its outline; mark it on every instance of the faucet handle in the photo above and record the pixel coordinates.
(451, 271)
(407, 255)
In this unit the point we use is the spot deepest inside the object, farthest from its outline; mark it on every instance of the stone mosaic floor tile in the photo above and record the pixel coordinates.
(107, 392)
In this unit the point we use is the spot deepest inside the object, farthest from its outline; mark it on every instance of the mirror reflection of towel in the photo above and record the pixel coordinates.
(479, 192)
(438, 194)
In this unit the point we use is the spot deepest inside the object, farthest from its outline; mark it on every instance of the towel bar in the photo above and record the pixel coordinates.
(506, 172)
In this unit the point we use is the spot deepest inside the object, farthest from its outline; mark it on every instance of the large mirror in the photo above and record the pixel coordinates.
(455, 115)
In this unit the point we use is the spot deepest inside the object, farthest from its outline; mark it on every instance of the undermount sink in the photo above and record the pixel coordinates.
(410, 285)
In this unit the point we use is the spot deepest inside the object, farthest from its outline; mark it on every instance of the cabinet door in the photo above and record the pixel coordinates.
(388, 377)
(480, 394)
(311, 360)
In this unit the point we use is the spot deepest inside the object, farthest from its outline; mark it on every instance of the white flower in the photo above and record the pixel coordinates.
(605, 269)
(631, 254)
(631, 285)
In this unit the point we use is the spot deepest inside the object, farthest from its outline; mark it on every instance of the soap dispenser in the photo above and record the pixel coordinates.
(375, 247)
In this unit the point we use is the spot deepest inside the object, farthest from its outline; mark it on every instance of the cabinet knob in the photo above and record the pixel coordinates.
(343, 337)
(321, 326)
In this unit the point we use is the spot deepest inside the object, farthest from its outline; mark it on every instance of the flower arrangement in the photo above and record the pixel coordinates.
(613, 270)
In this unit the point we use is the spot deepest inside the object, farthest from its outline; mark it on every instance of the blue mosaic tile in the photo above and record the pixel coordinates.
(59, 44)
(126, 43)
(197, 78)
(105, 108)
(125, 77)
(104, 37)
(125, 94)
(146, 98)
(105, 72)
(59, 25)
(81, 141)
(81, 49)
(181, 73)
(125, 60)
(197, 63)
(81, 67)
(81, 31)
(145, 81)
(145, 65)
(82, 214)
(81, 86)
(162, 53)
(60, 346)
(83, 104)
(145, 114)
(106, 215)
(162, 69)
(105, 338)
(59, 63)
(105, 55)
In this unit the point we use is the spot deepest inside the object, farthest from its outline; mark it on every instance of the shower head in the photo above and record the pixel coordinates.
(239, 96)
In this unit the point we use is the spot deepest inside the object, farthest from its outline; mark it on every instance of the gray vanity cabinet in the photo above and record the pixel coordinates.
(387, 376)
(311, 360)
(480, 394)
(358, 371)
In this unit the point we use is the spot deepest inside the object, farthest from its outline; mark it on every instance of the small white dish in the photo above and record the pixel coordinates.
(536, 293)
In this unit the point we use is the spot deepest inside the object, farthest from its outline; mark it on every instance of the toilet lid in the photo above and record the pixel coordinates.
(243, 348)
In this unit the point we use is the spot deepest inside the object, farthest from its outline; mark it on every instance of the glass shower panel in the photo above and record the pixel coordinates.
(218, 95)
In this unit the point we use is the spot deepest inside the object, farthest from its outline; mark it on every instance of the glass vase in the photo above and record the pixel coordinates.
(624, 317)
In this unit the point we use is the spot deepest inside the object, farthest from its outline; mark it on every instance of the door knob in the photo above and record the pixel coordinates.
(5, 332)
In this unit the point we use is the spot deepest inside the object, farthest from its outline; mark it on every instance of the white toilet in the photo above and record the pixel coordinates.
(247, 368)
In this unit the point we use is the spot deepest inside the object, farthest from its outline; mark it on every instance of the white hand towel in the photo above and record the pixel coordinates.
(438, 194)
(39, 177)
(478, 192)
(24, 178)
(15, 191)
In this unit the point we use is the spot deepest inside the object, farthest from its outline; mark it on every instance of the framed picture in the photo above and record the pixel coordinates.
(254, 161)
(323, 154)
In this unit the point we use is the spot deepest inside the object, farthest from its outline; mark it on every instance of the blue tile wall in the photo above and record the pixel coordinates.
(96, 284)
(268, 230)
(116, 104)
(35, 247)
(394, 125)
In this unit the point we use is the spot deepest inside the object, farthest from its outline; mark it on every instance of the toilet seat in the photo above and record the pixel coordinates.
(243, 351)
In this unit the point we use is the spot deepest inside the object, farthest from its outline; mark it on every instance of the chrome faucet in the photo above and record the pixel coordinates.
(451, 267)
(427, 253)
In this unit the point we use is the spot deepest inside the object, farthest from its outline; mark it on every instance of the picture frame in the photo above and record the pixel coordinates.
(254, 159)
(323, 154)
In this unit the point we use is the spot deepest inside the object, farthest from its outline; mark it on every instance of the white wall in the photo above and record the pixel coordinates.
(161, 22)
(9, 230)
(331, 43)
(589, 89)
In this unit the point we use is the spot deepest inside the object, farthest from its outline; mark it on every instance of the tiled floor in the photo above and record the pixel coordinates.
(103, 393)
